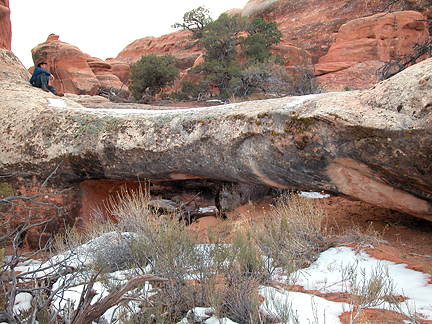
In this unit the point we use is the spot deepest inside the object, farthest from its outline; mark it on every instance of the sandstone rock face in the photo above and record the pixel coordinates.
(12, 67)
(5, 25)
(375, 38)
(254, 7)
(356, 36)
(177, 44)
(119, 69)
(315, 25)
(110, 83)
(373, 145)
(68, 65)
(353, 76)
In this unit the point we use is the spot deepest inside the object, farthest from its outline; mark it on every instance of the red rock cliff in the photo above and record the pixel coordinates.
(5, 25)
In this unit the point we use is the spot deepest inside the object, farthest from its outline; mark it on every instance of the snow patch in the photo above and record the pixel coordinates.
(58, 103)
(325, 275)
(22, 302)
(313, 195)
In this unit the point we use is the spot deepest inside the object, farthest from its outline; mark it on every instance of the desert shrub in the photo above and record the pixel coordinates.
(238, 60)
(292, 235)
(195, 21)
(367, 290)
(193, 89)
(362, 236)
(151, 74)
(164, 247)
(270, 77)
(225, 273)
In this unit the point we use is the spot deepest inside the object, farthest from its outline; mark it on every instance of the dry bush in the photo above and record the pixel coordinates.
(293, 234)
(367, 290)
(362, 236)
(223, 276)
(288, 238)
(128, 209)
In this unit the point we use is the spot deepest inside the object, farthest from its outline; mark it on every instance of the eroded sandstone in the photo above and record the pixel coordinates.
(5, 25)
(375, 38)
(373, 145)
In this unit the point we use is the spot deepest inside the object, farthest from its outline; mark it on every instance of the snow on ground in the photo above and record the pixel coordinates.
(325, 275)
(22, 302)
(304, 308)
(58, 103)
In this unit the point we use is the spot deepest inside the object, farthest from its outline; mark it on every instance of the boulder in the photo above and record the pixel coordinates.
(5, 25)
(373, 145)
(68, 65)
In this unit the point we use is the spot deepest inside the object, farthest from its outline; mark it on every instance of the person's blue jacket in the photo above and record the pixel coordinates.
(36, 72)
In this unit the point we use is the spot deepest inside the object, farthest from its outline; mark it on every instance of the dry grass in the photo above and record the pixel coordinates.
(219, 275)
(362, 236)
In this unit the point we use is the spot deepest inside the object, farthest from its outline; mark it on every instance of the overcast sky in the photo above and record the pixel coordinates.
(101, 28)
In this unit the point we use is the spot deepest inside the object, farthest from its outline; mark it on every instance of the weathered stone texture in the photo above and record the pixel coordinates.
(375, 38)
(373, 145)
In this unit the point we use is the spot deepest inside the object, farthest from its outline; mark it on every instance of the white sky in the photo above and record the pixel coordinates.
(101, 28)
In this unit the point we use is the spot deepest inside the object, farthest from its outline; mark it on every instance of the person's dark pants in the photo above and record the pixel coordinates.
(42, 82)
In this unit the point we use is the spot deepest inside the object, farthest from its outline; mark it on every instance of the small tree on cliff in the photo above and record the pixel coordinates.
(228, 39)
(195, 21)
(151, 74)
(261, 36)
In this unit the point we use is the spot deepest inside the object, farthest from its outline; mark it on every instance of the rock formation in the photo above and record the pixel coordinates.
(363, 44)
(120, 69)
(254, 7)
(79, 73)
(375, 38)
(68, 65)
(346, 41)
(177, 44)
(110, 83)
(316, 25)
(373, 145)
(5, 25)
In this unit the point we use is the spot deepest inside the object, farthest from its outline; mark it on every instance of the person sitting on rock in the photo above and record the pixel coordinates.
(40, 78)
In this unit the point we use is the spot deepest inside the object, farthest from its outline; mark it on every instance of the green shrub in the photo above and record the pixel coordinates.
(151, 74)
(193, 89)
